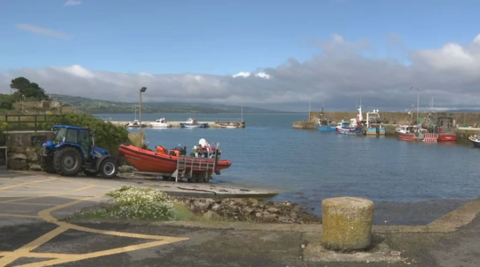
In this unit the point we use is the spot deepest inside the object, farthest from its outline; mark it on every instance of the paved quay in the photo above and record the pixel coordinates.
(33, 233)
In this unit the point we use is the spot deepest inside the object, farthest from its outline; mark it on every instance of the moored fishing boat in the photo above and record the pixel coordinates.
(351, 131)
(230, 125)
(192, 123)
(415, 133)
(324, 126)
(354, 127)
(373, 126)
(445, 129)
(160, 123)
(135, 124)
(344, 124)
(474, 140)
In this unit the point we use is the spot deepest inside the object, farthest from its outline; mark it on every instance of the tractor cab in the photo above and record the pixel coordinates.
(73, 135)
(72, 150)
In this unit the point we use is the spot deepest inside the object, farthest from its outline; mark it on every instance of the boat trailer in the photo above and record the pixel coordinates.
(191, 168)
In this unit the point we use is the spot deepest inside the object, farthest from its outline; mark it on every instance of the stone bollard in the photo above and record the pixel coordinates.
(347, 223)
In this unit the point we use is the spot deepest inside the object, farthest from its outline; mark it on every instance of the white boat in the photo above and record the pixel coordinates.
(230, 125)
(135, 124)
(192, 123)
(160, 123)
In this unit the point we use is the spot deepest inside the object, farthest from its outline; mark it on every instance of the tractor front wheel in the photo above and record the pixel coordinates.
(46, 162)
(108, 168)
(67, 161)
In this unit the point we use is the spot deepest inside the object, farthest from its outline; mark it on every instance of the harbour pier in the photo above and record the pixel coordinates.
(176, 124)
(466, 123)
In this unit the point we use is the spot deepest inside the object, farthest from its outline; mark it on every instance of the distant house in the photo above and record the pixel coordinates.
(44, 105)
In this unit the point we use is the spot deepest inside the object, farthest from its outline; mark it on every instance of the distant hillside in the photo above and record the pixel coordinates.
(462, 111)
(95, 106)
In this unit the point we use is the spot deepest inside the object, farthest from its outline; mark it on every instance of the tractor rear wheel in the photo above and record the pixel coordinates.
(67, 161)
(46, 162)
(108, 168)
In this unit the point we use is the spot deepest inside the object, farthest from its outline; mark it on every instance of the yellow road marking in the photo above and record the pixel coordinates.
(49, 187)
(32, 245)
(37, 255)
(59, 258)
(77, 182)
(35, 182)
(49, 195)
(19, 215)
(29, 204)
(71, 257)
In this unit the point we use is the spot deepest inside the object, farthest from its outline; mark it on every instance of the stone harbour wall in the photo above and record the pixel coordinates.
(470, 118)
(304, 125)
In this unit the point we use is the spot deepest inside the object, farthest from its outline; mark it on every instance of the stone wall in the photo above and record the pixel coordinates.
(24, 148)
(27, 138)
(23, 158)
(305, 125)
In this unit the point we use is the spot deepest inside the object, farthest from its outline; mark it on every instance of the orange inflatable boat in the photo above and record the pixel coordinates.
(165, 162)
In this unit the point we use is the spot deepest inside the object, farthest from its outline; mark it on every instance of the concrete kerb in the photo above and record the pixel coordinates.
(448, 223)
(451, 222)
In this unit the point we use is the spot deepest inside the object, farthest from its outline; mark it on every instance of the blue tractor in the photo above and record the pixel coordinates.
(73, 150)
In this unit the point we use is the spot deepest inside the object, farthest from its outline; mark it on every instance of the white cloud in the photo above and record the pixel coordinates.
(241, 74)
(477, 40)
(339, 75)
(247, 74)
(72, 3)
(76, 70)
(41, 31)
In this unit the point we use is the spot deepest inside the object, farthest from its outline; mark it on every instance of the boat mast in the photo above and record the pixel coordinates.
(135, 112)
(241, 113)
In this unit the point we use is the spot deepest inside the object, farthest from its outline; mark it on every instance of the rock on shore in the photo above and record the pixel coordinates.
(248, 209)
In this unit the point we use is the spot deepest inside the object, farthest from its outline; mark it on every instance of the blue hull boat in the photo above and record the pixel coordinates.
(350, 131)
(373, 131)
(325, 129)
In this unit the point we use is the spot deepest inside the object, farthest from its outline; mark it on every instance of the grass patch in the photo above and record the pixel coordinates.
(185, 214)
(131, 203)
(135, 203)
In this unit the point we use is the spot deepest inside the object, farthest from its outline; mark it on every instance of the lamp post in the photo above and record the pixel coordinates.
(21, 101)
(142, 90)
(418, 99)
(309, 106)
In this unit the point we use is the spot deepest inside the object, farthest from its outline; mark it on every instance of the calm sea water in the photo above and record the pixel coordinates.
(308, 166)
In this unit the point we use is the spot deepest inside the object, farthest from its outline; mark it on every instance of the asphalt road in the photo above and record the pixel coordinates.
(32, 233)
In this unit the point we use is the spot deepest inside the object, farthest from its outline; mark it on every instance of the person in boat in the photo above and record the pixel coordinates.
(195, 150)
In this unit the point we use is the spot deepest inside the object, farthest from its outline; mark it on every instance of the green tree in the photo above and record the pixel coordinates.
(6, 101)
(28, 89)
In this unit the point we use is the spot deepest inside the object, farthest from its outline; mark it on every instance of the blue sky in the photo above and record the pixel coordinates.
(217, 36)
(337, 51)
